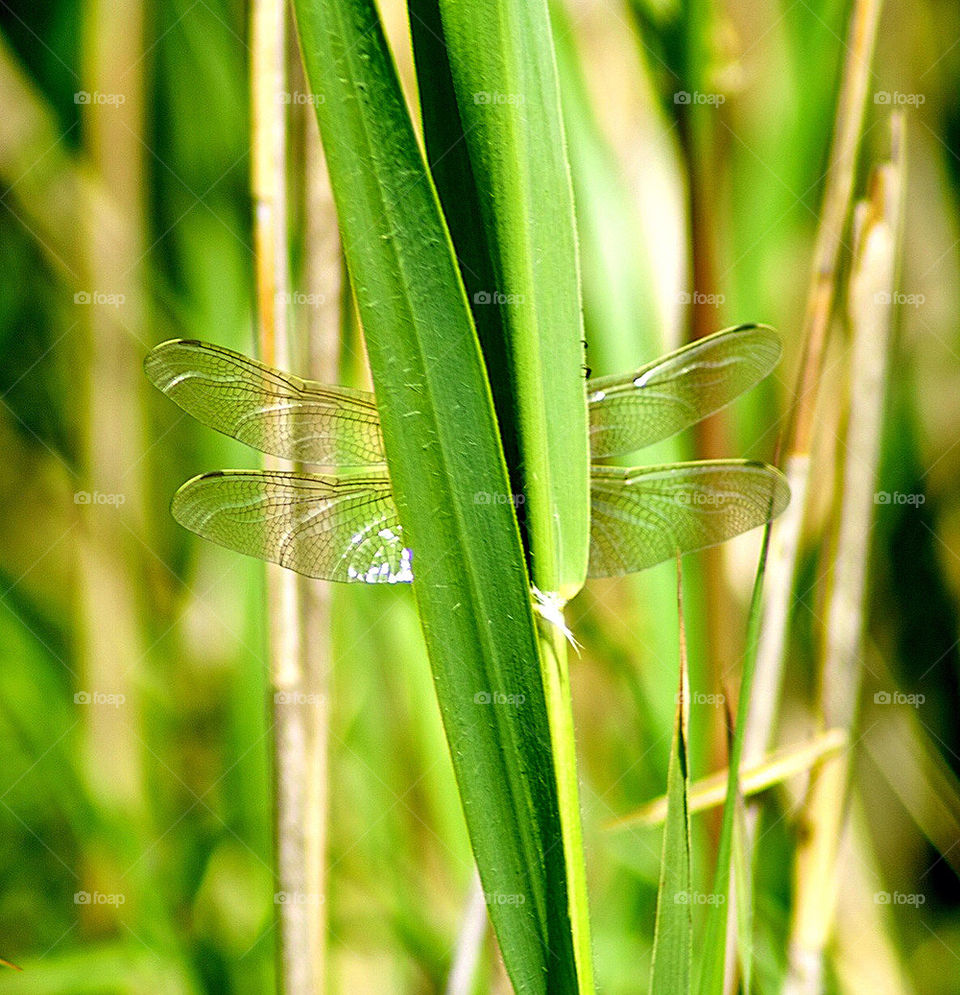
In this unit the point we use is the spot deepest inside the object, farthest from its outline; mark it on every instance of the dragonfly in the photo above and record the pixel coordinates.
(346, 527)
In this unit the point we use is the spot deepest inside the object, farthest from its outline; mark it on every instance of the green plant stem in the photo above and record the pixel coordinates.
(556, 683)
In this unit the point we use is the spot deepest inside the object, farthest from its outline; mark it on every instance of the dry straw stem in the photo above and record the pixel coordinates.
(872, 282)
(322, 278)
(711, 791)
(298, 838)
(107, 351)
(466, 956)
(785, 531)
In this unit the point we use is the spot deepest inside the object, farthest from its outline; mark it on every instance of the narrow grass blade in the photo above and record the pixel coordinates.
(673, 939)
(450, 484)
(743, 890)
(713, 960)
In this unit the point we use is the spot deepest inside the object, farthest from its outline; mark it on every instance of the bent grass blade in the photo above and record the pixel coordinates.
(346, 528)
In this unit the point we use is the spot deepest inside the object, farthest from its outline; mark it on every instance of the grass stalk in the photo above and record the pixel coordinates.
(556, 683)
(110, 640)
(322, 278)
(872, 284)
(298, 779)
(762, 717)
(461, 980)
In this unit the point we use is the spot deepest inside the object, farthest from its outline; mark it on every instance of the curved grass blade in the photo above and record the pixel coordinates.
(333, 528)
(273, 411)
(643, 516)
(635, 410)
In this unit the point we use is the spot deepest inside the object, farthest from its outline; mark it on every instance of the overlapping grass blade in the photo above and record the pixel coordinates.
(451, 487)
(502, 69)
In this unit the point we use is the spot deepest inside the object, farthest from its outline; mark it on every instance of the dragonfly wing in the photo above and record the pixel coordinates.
(334, 528)
(631, 411)
(641, 517)
(272, 411)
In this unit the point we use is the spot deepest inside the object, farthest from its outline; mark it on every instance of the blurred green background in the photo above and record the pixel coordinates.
(135, 851)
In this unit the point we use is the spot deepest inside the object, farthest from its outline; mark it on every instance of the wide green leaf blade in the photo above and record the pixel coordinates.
(450, 484)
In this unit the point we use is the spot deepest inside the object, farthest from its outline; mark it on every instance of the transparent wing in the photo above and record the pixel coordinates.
(272, 411)
(641, 517)
(630, 411)
(334, 528)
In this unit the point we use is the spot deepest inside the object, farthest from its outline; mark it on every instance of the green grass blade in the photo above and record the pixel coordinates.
(502, 67)
(673, 938)
(451, 487)
(538, 407)
(713, 961)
